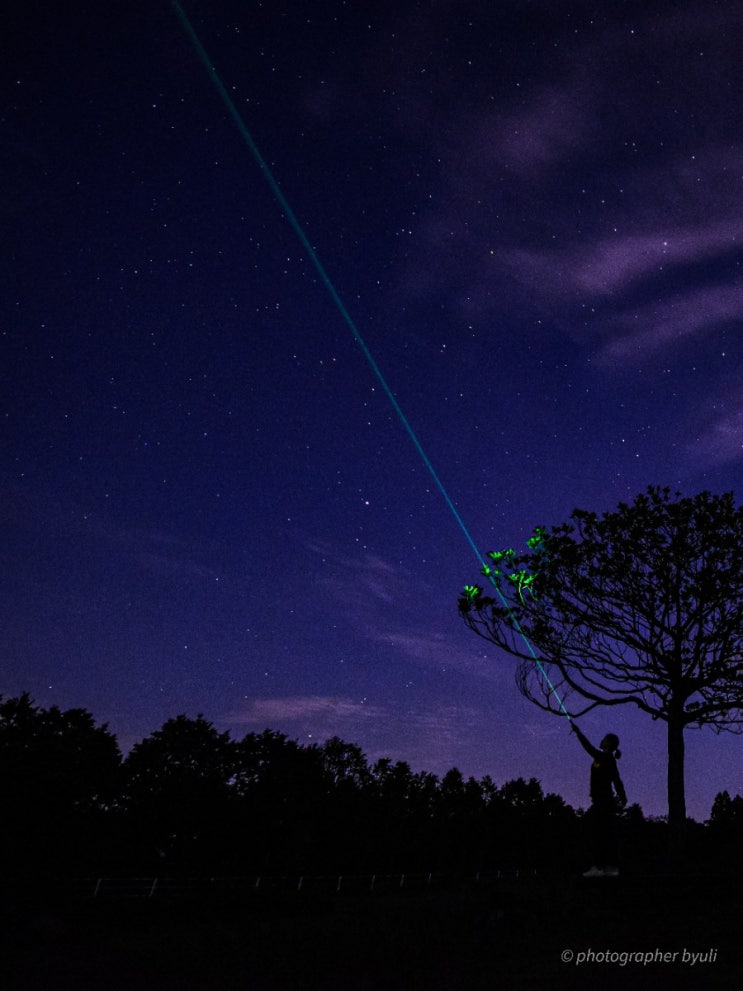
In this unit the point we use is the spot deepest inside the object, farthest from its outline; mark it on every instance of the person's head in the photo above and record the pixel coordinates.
(610, 743)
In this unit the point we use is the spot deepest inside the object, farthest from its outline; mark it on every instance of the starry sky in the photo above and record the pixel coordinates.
(533, 213)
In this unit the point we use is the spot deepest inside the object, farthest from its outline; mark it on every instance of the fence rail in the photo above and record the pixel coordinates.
(337, 884)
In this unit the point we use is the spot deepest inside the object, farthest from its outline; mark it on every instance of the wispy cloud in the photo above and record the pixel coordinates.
(584, 198)
(325, 713)
(385, 604)
(425, 735)
(535, 133)
(721, 441)
(611, 266)
(151, 550)
(661, 325)
(159, 552)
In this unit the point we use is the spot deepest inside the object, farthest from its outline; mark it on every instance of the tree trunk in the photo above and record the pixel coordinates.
(676, 793)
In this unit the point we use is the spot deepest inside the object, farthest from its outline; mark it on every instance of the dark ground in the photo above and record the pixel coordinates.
(456, 934)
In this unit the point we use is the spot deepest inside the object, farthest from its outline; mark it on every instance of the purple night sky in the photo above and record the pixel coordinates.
(533, 213)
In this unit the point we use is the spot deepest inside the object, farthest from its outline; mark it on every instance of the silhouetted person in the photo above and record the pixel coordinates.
(606, 791)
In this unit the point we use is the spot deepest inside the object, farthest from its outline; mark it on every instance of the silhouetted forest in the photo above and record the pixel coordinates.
(191, 800)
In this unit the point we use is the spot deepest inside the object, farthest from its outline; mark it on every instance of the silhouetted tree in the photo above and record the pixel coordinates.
(526, 827)
(59, 776)
(393, 783)
(281, 787)
(520, 794)
(396, 833)
(345, 764)
(178, 789)
(727, 811)
(640, 606)
(346, 812)
(725, 828)
(272, 766)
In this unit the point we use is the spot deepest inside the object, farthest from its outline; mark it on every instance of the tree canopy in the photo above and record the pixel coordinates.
(641, 606)
(59, 776)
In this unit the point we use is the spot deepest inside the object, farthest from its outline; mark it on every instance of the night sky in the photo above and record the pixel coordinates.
(533, 213)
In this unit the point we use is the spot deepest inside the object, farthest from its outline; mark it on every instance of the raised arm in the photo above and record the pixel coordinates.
(587, 746)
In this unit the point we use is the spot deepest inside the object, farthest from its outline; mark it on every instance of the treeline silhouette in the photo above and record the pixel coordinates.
(190, 800)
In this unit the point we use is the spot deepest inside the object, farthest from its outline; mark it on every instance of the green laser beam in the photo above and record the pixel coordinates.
(325, 278)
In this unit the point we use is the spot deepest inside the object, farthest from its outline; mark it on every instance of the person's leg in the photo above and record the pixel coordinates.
(602, 836)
